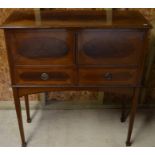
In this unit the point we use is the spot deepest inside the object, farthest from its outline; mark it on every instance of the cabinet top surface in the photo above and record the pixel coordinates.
(75, 19)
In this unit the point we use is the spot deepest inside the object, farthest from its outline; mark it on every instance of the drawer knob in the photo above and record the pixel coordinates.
(44, 76)
(108, 76)
(145, 25)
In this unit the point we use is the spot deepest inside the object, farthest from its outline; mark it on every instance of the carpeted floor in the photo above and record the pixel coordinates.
(88, 127)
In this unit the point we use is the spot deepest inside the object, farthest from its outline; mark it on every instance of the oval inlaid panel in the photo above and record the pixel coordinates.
(99, 48)
(118, 76)
(56, 76)
(44, 47)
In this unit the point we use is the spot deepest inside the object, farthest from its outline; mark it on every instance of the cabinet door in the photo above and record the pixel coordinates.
(110, 47)
(41, 46)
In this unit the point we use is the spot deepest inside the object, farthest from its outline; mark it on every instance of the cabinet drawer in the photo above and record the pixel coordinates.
(107, 76)
(41, 46)
(54, 76)
(110, 47)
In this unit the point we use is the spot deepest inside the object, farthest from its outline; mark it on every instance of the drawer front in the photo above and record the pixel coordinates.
(42, 47)
(110, 47)
(54, 76)
(107, 76)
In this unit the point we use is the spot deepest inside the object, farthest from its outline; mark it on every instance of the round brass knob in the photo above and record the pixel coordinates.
(108, 76)
(44, 76)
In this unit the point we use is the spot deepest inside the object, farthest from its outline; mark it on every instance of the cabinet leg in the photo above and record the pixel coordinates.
(123, 116)
(19, 115)
(125, 112)
(27, 108)
(132, 115)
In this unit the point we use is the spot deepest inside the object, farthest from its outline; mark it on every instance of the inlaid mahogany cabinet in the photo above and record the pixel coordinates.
(75, 50)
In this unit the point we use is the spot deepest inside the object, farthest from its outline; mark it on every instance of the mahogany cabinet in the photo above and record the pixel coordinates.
(75, 50)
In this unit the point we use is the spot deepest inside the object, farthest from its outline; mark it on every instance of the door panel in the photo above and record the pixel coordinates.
(110, 47)
(42, 47)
